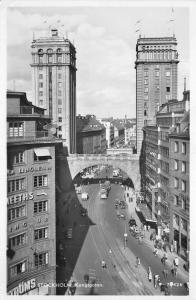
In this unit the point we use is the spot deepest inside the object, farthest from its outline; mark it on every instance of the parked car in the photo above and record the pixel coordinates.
(68, 233)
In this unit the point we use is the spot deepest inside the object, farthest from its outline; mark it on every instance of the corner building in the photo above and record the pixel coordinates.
(54, 83)
(156, 79)
(31, 232)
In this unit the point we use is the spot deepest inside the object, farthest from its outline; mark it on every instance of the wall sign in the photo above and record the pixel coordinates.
(23, 287)
(20, 198)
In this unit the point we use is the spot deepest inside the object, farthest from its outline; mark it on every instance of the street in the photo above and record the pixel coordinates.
(100, 236)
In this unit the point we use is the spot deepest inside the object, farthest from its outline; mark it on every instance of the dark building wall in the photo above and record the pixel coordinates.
(32, 221)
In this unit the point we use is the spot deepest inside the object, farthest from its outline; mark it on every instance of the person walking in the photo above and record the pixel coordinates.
(176, 261)
(137, 261)
(149, 274)
(155, 251)
(163, 259)
(103, 264)
(165, 273)
(156, 277)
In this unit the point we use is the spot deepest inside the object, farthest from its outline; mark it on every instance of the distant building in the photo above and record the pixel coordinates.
(54, 83)
(91, 135)
(119, 131)
(156, 79)
(109, 132)
(130, 133)
(31, 252)
(179, 141)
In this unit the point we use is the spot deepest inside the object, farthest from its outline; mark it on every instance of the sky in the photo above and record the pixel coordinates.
(105, 41)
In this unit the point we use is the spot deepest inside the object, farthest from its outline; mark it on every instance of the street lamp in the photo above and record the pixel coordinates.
(125, 237)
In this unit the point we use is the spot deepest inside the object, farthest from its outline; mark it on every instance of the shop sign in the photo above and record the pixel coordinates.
(34, 169)
(23, 287)
(20, 198)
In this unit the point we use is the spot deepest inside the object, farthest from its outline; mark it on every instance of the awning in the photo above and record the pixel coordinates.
(40, 152)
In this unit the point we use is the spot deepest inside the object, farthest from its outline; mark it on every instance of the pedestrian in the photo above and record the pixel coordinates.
(165, 273)
(144, 227)
(137, 262)
(149, 274)
(148, 227)
(156, 277)
(155, 252)
(103, 264)
(163, 259)
(176, 261)
(171, 248)
(175, 271)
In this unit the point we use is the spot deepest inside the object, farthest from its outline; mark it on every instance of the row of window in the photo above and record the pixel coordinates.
(177, 147)
(20, 184)
(157, 73)
(41, 84)
(59, 68)
(40, 260)
(19, 157)
(20, 211)
(177, 184)
(59, 75)
(177, 165)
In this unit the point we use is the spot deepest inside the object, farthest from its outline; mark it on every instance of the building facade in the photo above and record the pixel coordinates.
(109, 132)
(91, 135)
(179, 141)
(156, 79)
(54, 83)
(31, 252)
(149, 167)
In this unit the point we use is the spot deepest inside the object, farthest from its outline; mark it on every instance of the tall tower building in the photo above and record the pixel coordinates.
(54, 83)
(156, 78)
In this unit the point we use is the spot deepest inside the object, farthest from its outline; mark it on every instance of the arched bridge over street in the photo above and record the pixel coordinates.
(129, 163)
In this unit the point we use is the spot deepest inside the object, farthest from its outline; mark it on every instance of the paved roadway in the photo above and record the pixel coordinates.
(104, 231)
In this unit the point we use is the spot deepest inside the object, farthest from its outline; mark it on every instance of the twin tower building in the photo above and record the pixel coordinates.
(54, 81)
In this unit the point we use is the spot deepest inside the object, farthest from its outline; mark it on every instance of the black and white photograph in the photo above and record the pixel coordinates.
(96, 117)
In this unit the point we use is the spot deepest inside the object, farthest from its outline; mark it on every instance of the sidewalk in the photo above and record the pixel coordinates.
(170, 256)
